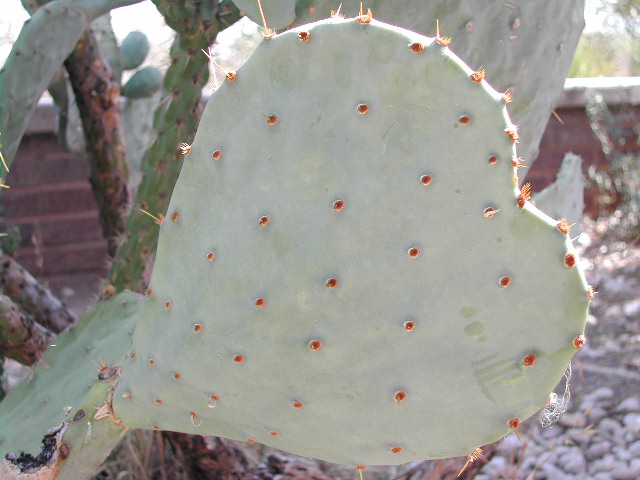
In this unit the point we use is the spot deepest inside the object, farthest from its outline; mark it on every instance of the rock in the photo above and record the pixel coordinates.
(631, 422)
(552, 471)
(604, 464)
(512, 446)
(624, 472)
(551, 433)
(634, 450)
(596, 397)
(596, 414)
(599, 449)
(622, 453)
(611, 429)
(575, 419)
(573, 461)
(632, 308)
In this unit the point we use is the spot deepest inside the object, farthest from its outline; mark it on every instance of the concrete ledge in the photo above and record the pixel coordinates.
(615, 91)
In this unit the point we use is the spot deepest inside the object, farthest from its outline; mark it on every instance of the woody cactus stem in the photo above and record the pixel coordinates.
(97, 92)
(43, 44)
(196, 23)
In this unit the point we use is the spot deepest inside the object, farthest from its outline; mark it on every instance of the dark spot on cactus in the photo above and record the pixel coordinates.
(332, 283)
(194, 419)
(65, 450)
(264, 221)
(133, 356)
(126, 395)
(211, 256)
(197, 328)
(260, 302)
(167, 305)
(304, 36)
(159, 400)
(231, 75)
(362, 108)
(396, 449)
(579, 341)
(507, 97)
(426, 179)
(338, 205)
(272, 119)
(564, 226)
(416, 47)
(464, 120)
(217, 154)
(80, 414)
(251, 441)
(238, 358)
(468, 27)
(570, 260)
(315, 345)
(489, 212)
(400, 396)
(175, 216)
(152, 362)
(213, 400)
(493, 160)
(525, 195)
(414, 252)
(297, 404)
(409, 325)
(512, 133)
(529, 360)
(156, 427)
(273, 433)
(505, 282)
(478, 75)
(591, 293)
(177, 376)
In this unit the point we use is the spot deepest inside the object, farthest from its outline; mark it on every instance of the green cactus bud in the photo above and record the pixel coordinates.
(134, 50)
(142, 84)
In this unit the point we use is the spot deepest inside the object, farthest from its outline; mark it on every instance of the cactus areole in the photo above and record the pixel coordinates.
(378, 315)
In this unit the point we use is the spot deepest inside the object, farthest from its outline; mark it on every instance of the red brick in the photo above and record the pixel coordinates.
(20, 203)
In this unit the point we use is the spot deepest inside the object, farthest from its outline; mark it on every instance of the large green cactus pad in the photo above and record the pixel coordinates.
(65, 391)
(347, 271)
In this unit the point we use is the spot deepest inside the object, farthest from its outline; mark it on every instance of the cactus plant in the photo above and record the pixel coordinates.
(362, 282)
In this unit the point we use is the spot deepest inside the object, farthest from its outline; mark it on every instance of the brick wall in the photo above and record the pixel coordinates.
(50, 199)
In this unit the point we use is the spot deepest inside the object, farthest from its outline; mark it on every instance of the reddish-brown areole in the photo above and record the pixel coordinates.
(175, 216)
(525, 195)
(362, 108)
(315, 345)
(298, 404)
(211, 256)
(414, 252)
(264, 221)
(217, 154)
(395, 449)
(426, 179)
(338, 205)
(272, 119)
(238, 358)
(304, 36)
(464, 119)
(505, 281)
(400, 396)
(579, 341)
(512, 133)
(570, 260)
(416, 47)
(529, 360)
(260, 302)
(478, 75)
(493, 160)
(409, 325)
(332, 282)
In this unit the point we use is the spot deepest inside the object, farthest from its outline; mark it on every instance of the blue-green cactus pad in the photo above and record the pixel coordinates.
(254, 236)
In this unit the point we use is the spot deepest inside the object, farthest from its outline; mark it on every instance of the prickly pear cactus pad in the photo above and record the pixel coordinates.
(347, 271)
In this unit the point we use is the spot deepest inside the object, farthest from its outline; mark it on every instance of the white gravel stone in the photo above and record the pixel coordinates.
(576, 419)
(632, 308)
(596, 414)
(622, 453)
(596, 397)
(604, 464)
(573, 461)
(631, 422)
(552, 471)
(495, 467)
(611, 429)
(552, 432)
(634, 449)
(624, 472)
(599, 449)
(629, 404)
